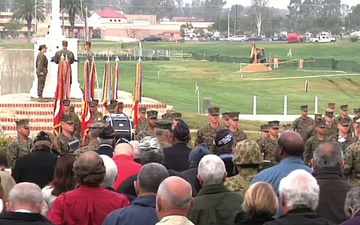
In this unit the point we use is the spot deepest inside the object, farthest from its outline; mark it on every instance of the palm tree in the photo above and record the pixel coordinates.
(25, 10)
(73, 8)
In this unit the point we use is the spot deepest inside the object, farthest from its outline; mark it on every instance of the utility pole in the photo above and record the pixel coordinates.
(228, 31)
(236, 15)
(86, 25)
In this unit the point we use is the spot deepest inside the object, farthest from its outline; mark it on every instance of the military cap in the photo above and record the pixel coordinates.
(247, 152)
(67, 118)
(94, 103)
(41, 47)
(317, 115)
(107, 132)
(320, 123)
(357, 110)
(65, 43)
(42, 136)
(23, 123)
(152, 114)
(88, 43)
(344, 107)
(234, 115)
(274, 124)
(287, 126)
(66, 102)
(113, 102)
(142, 109)
(214, 111)
(264, 127)
(329, 114)
(111, 107)
(331, 105)
(344, 122)
(226, 115)
(120, 104)
(304, 107)
(357, 121)
(176, 115)
(97, 125)
(163, 124)
(166, 116)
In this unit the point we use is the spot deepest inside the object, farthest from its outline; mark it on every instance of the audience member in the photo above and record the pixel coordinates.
(261, 204)
(352, 207)
(7, 181)
(328, 164)
(174, 202)
(38, 166)
(136, 146)
(89, 203)
(107, 141)
(64, 180)
(147, 184)
(215, 202)
(111, 173)
(24, 206)
(300, 197)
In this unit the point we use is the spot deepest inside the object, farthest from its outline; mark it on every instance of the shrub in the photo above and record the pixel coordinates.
(4, 141)
(354, 38)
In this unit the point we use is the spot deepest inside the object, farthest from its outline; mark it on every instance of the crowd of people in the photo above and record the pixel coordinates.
(162, 178)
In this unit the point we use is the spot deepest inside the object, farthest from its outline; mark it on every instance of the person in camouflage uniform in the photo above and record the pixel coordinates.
(331, 127)
(119, 108)
(89, 54)
(96, 116)
(207, 133)
(267, 145)
(111, 108)
(302, 123)
(247, 159)
(74, 117)
(41, 70)
(287, 127)
(176, 117)
(67, 54)
(149, 130)
(142, 119)
(163, 131)
(311, 130)
(92, 138)
(225, 119)
(66, 136)
(354, 124)
(238, 135)
(331, 107)
(21, 144)
(313, 142)
(344, 115)
(352, 159)
(343, 136)
(264, 132)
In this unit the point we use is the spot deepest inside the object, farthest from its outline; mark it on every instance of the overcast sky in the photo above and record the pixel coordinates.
(281, 3)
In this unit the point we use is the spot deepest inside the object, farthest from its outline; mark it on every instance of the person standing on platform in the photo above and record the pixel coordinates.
(41, 70)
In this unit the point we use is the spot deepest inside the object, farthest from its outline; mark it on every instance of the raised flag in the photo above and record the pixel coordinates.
(59, 96)
(137, 94)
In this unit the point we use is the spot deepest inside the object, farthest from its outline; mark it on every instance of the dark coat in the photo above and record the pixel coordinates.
(191, 176)
(300, 217)
(256, 220)
(36, 167)
(333, 189)
(353, 221)
(176, 157)
(19, 218)
(105, 150)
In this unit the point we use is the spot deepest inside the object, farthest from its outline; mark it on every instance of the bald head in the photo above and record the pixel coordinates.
(327, 155)
(136, 147)
(26, 196)
(292, 143)
(124, 149)
(89, 169)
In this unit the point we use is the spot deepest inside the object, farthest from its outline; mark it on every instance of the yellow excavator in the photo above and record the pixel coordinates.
(257, 55)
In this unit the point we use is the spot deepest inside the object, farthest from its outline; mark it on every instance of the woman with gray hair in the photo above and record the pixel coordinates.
(352, 207)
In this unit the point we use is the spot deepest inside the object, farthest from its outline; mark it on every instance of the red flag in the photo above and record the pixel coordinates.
(137, 95)
(88, 96)
(59, 96)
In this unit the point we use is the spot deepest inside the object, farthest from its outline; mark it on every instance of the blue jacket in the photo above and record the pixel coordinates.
(141, 211)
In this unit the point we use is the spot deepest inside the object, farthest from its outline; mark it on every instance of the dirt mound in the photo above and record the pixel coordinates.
(256, 67)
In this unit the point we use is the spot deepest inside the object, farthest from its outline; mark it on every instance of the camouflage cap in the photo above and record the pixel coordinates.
(264, 127)
(357, 110)
(247, 152)
(107, 132)
(287, 126)
(152, 114)
(317, 115)
(65, 43)
(142, 109)
(166, 116)
(149, 145)
(226, 115)
(23, 123)
(66, 102)
(113, 102)
(120, 104)
(329, 114)
(304, 107)
(331, 105)
(176, 115)
(163, 124)
(234, 115)
(97, 125)
(214, 111)
(94, 103)
(67, 118)
(344, 121)
(344, 107)
(274, 124)
(111, 107)
(320, 123)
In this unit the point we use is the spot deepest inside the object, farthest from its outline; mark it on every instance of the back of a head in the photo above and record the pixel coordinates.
(136, 146)
(151, 151)
(292, 143)
(247, 152)
(328, 155)
(111, 171)
(197, 154)
(352, 202)
(26, 196)
(3, 160)
(150, 177)
(64, 175)
(211, 170)
(89, 169)
(124, 149)
(299, 189)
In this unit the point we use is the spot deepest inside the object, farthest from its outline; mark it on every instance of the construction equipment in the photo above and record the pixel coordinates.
(257, 55)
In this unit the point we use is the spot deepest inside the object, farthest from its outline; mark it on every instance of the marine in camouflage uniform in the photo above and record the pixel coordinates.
(264, 132)
(163, 131)
(247, 158)
(89, 54)
(75, 118)
(313, 142)
(238, 135)
(96, 116)
(331, 127)
(207, 133)
(343, 137)
(344, 115)
(302, 123)
(225, 119)
(311, 131)
(111, 108)
(142, 119)
(150, 127)
(267, 145)
(41, 69)
(20, 145)
(65, 137)
(352, 159)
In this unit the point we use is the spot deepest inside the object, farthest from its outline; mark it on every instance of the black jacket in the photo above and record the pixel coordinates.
(256, 220)
(19, 218)
(191, 176)
(302, 216)
(36, 167)
(105, 150)
(333, 189)
(176, 157)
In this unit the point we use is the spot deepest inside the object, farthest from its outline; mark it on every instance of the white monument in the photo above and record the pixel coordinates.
(53, 42)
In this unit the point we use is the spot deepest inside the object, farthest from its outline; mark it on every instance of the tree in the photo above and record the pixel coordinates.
(258, 7)
(25, 10)
(353, 19)
(74, 8)
(212, 9)
(12, 28)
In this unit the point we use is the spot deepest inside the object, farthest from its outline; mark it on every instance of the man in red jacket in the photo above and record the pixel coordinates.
(89, 203)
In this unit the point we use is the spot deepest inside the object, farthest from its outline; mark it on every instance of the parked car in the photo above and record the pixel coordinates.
(322, 39)
(278, 38)
(151, 38)
(254, 38)
(238, 38)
